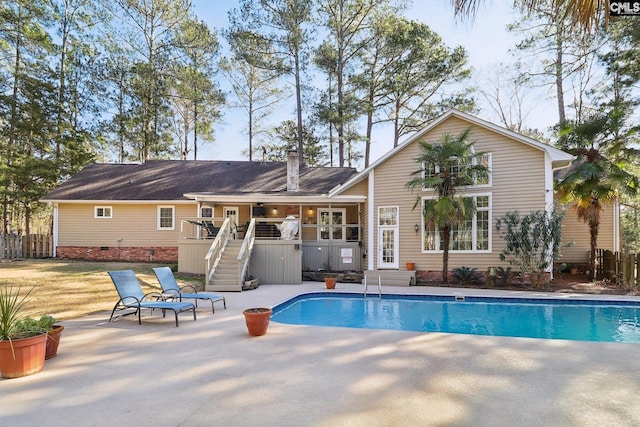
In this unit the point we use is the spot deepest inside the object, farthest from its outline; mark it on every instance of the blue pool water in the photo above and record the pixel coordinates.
(514, 317)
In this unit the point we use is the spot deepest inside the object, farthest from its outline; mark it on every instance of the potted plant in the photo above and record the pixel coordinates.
(257, 320)
(53, 335)
(22, 341)
(330, 282)
(411, 265)
(573, 268)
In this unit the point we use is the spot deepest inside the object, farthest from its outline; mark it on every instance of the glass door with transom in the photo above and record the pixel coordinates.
(388, 237)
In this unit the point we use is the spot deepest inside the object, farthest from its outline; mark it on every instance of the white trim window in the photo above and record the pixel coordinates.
(206, 212)
(483, 179)
(102, 212)
(166, 217)
(331, 223)
(479, 180)
(473, 235)
(388, 222)
(388, 215)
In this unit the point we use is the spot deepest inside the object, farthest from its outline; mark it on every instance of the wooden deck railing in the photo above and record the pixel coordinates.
(244, 255)
(215, 250)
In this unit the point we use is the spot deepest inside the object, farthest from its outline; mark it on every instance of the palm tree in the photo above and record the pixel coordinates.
(596, 177)
(586, 14)
(445, 167)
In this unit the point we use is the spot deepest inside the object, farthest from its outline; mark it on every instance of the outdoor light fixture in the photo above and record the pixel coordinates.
(275, 211)
(498, 224)
(416, 228)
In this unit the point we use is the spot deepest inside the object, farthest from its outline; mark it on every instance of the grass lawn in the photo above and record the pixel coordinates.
(68, 289)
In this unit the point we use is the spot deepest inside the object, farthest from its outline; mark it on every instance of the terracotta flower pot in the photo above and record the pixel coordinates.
(53, 340)
(29, 356)
(411, 266)
(330, 282)
(257, 320)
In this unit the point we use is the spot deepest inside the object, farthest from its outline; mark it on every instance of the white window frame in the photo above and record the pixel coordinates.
(202, 211)
(330, 211)
(474, 161)
(395, 227)
(474, 228)
(490, 170)
(96, 209)
(173, 217)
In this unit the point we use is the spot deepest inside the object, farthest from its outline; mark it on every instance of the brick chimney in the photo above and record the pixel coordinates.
(293, 170)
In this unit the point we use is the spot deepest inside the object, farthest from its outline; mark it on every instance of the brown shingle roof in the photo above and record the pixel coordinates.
(171, 179)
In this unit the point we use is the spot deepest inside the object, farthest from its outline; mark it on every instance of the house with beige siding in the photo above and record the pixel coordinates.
(232, 220)
(521, 179)
(218, 218)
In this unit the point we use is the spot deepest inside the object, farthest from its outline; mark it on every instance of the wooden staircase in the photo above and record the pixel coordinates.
(225, 277)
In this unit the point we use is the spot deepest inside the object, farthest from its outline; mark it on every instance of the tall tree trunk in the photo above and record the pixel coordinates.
(340, 127)
(195, 130)
(562, 118)
(594, 227)
(446, 237)
(367, 146)
(299, 110)
(185, 142)
(11, 139)
(61, 80)
(251, 130)
(396, 124)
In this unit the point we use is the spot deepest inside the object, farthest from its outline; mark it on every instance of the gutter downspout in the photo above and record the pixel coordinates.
(548, 197)
(549, 194)
(55, 229)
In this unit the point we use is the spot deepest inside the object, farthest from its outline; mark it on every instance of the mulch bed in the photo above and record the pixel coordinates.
(562, 283)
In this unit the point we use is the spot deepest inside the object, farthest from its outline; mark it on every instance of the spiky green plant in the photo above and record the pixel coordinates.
(11, 305)
(467, 276)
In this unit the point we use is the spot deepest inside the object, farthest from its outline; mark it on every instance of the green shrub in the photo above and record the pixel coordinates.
(505, 276)
(467, 276)
(27, 327)
(46, 322)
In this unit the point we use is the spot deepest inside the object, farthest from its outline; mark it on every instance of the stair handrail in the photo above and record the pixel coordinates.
(244, 255)
(216, 249)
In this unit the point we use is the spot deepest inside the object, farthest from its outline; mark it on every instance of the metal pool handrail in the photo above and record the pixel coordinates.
(379, 286)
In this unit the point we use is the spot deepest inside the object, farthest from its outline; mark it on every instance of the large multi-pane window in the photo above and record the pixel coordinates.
(456, 165)
(471, 235)
(166, 218)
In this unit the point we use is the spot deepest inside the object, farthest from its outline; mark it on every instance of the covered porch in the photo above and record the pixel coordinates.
(329, 236)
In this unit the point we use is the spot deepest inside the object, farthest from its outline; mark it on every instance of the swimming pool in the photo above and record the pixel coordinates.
(584, 320)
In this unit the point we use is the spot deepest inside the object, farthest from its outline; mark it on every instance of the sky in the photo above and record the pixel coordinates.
(485, 38)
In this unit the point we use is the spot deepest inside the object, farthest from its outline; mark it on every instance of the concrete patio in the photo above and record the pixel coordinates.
(211, 373)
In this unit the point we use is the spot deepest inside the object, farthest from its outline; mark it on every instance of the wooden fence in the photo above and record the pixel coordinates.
(622, 268)
(14, 246)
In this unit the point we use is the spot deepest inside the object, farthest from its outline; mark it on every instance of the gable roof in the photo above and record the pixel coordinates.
(174, 179)
(559, 158)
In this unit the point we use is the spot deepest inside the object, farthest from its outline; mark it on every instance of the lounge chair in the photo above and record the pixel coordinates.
(133, 298)
(171, 289)
(212, 230)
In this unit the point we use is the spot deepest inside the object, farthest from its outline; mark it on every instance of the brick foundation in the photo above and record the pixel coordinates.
(167, 254)
(429, 276)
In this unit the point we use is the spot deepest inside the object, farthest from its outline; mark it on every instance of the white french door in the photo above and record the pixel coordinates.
(232, 214)
(388, 237)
